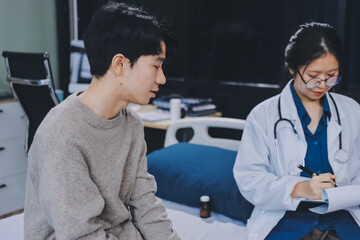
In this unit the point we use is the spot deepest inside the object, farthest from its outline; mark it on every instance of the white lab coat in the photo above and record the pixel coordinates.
(257, 172)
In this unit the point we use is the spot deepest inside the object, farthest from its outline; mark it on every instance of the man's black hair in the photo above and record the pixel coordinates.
(121, 28)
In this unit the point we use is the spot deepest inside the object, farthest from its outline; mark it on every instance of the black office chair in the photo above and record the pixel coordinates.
(30, 78)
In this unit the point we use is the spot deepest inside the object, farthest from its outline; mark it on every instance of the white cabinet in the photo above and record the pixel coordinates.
(13, 157)
(12, 197)
(12, 121)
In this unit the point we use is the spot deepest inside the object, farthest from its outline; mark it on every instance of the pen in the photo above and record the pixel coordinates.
(309, 171)
(306, 170)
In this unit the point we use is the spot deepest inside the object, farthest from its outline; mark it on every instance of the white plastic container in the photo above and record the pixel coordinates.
(175, 108)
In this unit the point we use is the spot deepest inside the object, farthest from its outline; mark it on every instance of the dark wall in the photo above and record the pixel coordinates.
(233, 100)
(226, 43)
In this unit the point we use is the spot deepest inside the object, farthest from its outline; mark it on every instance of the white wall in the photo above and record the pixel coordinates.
(28, 26)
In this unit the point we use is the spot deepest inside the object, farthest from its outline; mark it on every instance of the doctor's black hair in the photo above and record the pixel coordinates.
(130, 30)
(311, 41)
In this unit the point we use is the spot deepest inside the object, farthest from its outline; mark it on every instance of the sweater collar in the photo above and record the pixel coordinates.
(92, 118)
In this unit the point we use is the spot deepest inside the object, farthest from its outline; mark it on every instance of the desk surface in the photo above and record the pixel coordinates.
(164, 124)
(7, 100)
(11, 214)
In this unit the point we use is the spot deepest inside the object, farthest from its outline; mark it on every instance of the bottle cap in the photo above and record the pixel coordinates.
(204, 198)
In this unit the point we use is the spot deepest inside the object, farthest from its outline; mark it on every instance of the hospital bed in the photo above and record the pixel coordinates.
(192, 164)
(202, 166)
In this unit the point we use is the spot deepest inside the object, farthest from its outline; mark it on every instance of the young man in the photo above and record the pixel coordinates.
(87, 175)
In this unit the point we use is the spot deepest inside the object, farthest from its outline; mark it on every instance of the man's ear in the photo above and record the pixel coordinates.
(118, 63)
(291, 71)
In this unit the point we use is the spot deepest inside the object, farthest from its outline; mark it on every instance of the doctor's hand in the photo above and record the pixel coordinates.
(312, 189)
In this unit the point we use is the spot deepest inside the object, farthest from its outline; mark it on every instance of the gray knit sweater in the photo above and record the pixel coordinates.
(87, 179)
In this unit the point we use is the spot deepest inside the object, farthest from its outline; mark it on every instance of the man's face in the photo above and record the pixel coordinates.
(144, 78)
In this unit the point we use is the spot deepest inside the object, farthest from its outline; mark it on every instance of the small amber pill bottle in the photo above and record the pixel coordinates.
(204, 206)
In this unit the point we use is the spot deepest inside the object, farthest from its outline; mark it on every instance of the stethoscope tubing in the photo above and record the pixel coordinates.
(297, 135)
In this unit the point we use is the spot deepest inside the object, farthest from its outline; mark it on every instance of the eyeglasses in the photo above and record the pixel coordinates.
(315, 82)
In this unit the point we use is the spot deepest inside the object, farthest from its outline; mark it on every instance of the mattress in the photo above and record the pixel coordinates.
(185, 219)
(190, 226)
(12, 227)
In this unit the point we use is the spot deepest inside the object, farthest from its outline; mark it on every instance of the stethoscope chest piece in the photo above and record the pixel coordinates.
(341, 155)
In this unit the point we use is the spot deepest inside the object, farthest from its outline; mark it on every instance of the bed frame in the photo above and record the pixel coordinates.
(185, 219)
(200, 126)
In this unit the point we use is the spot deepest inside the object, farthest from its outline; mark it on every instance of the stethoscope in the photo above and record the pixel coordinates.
(341, 155)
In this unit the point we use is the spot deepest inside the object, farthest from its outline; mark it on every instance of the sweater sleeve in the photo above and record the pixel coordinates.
(148, 212)
(70, 199)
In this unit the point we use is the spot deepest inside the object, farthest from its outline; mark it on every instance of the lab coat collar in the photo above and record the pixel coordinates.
(289, 111)
(333, 109)
(288, 107)
(334, 129)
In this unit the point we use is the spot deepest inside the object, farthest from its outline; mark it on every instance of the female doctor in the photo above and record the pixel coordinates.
(306, 125)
